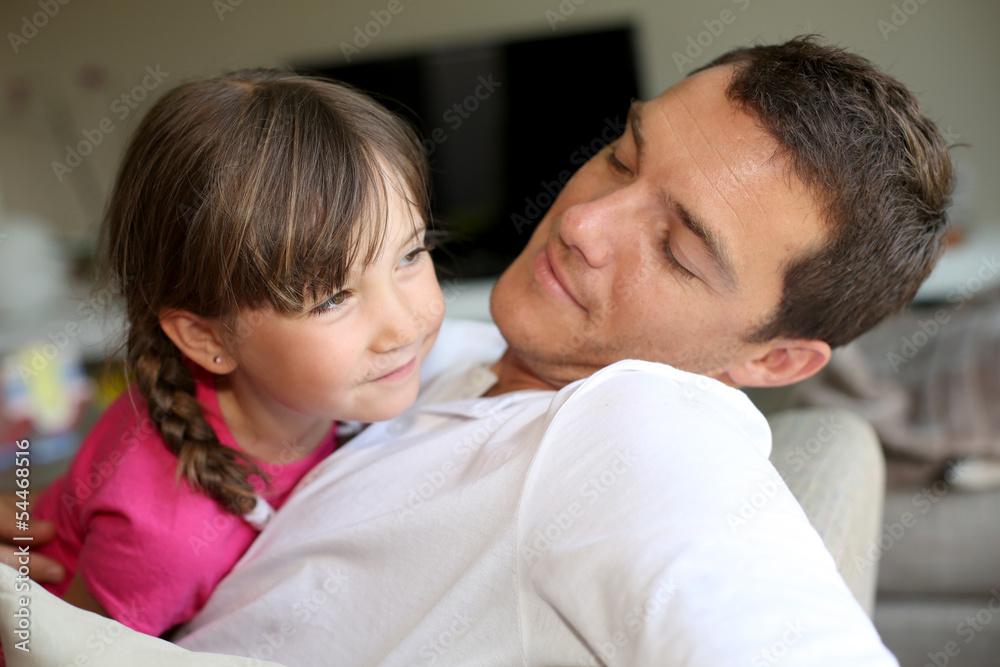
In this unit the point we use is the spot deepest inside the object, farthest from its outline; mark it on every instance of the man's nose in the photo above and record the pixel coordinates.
(596, 228)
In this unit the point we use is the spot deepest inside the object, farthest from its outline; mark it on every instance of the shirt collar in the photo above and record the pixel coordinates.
(460, 392)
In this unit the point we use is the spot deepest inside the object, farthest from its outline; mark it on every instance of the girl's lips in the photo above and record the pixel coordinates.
(400, 373)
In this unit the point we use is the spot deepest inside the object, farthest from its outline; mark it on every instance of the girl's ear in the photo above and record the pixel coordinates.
(199, 338)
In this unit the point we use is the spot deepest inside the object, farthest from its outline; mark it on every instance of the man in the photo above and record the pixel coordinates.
(566, 506)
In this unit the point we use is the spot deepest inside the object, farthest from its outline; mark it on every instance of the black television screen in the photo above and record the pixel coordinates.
(505, 124)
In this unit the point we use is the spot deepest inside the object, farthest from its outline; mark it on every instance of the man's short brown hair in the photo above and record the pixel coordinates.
(873, 160)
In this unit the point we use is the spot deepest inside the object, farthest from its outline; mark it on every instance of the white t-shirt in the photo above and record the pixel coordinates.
(593, 525)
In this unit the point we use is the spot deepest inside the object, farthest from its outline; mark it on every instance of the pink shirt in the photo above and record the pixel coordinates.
(150, 549)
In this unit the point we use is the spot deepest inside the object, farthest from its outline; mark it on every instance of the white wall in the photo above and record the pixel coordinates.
(947, 50)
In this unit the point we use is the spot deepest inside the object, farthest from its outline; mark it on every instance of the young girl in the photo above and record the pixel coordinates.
(266, 233)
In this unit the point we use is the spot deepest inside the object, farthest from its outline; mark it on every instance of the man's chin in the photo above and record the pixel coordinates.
(531, 331)
(516, 308)
(500, 296)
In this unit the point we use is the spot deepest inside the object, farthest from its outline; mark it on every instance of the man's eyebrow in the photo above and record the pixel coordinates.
(717, 251)
(635, 123)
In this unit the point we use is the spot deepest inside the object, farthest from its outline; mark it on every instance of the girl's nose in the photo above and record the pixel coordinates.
(399, 324)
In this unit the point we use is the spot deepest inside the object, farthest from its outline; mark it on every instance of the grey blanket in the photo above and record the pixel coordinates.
(928, 380)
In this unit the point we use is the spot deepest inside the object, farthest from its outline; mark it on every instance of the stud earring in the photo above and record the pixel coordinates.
(217, 359)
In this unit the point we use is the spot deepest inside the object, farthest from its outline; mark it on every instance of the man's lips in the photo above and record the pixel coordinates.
(548, 273)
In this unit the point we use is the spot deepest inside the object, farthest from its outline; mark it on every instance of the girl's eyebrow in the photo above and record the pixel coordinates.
(417, 231)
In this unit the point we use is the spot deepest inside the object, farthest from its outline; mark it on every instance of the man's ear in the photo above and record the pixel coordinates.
(199, 338)
(786, 361)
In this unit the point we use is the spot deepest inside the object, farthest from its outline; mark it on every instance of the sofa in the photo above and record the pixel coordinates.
(938, 599)
(936, 550)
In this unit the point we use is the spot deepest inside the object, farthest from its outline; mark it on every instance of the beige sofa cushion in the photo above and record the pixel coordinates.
(832, 462)
(60, 634)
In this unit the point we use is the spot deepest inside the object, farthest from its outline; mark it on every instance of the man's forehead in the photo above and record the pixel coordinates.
(713, 82)
(696, 119)
(719, 164)
(698, 109)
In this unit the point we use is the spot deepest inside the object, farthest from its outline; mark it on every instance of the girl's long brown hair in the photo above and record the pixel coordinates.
(253, 189)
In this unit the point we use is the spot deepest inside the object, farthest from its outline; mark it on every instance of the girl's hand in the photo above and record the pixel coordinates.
(42, 569)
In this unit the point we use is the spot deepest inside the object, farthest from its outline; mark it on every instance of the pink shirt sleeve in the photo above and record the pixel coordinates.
(149, 549)
(153, 550)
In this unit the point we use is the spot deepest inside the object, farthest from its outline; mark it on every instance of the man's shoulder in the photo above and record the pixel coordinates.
(643, 394)
(635, 375)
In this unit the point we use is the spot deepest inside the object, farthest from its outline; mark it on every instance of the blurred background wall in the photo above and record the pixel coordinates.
(65, 67)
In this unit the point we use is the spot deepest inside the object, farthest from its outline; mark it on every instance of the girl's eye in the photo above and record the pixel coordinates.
(415, 255)
(334, 302)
